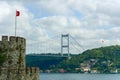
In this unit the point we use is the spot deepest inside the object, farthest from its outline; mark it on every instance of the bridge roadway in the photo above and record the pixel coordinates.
(50, 55)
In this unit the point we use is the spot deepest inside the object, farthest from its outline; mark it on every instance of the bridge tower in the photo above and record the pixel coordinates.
(65, 44)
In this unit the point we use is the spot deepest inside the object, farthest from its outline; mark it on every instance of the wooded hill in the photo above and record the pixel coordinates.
(103, 59)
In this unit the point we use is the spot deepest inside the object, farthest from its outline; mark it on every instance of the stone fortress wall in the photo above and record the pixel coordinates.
(13, 68)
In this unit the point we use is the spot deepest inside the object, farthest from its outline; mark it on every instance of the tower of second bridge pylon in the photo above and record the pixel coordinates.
(65, 44)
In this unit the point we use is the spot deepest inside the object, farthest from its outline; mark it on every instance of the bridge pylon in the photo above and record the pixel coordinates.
(65, 44)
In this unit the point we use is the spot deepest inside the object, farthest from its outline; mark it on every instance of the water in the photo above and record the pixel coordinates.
(74, 76)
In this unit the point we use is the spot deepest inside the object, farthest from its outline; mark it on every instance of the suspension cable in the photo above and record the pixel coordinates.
(77, 42)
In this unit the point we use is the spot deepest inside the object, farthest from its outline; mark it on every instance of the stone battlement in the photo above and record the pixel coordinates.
(32, 70)
(31, 73)
(12, 43)
(12, 38)
(13, 50)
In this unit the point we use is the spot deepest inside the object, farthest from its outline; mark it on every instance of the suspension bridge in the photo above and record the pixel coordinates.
(52, 51)
(58, 46)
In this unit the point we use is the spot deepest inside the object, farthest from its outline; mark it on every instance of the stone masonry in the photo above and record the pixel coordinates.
(14, 68)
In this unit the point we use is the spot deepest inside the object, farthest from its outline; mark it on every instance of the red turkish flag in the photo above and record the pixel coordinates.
(17, 13)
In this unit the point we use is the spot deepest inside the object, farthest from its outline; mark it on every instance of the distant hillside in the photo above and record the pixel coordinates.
(43, 61)
(102, 60)
(111, 53)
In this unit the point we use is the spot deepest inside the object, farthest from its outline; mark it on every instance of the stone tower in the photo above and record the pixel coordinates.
(13, 50)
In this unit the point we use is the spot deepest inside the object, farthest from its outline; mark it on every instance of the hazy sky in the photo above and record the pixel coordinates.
(89, 21)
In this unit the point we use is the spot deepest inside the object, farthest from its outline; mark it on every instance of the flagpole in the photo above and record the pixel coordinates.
(17, 14)
(15, 24)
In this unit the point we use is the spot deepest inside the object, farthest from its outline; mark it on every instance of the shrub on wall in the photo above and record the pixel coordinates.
(2, 59)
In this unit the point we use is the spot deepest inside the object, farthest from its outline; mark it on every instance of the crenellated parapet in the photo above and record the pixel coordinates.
(13, 50)
(33, 72)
